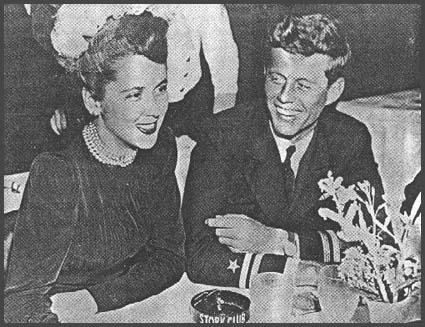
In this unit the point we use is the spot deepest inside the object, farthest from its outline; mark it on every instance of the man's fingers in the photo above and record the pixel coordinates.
(53, 125)
(225, 232)
(234, 250)
(227, 241)
(232, 243)
(220, 222)
(227, 221)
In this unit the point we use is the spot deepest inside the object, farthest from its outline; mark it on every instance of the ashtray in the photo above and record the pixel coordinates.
(220, 307)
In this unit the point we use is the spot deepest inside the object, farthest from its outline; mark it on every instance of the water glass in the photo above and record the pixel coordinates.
(337, 300)
(271, 295)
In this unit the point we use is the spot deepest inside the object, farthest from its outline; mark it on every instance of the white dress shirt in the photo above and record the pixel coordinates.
(300, 142)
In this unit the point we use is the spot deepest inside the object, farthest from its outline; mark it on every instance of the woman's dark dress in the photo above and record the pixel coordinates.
(84, 225)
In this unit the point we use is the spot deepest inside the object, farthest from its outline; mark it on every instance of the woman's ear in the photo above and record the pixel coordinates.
(335, 90)
(93, 106)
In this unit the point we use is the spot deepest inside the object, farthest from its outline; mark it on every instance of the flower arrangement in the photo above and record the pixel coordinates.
(76, 24)
(376, 268)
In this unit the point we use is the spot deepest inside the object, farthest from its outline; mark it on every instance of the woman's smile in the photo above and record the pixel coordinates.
(147, 127)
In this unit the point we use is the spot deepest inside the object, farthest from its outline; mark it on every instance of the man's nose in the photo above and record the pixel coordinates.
(286, 94)
(150, 106)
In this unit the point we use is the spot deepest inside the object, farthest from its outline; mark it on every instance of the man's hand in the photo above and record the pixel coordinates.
(244, 234)
(58, 121)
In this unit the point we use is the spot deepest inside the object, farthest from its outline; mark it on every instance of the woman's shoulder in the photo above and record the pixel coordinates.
(53, 171)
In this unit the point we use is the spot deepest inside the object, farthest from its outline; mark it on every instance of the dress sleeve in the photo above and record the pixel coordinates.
(162, 263)
(41, 240)
(207, 260)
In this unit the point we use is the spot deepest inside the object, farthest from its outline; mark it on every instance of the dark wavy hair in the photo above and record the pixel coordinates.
(130, 35)
(310, 34)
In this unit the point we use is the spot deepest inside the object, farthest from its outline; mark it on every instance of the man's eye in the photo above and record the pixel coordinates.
(134, 96)
(303, 87)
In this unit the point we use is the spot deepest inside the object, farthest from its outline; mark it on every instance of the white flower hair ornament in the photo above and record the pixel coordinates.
(76, 24)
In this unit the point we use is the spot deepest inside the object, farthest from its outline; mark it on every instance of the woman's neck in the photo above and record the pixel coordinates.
(111, 143)
(108, 149)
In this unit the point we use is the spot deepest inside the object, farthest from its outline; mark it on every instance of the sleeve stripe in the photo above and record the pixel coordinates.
(249, 273)
(290, 269)
(335, 245)
(297, 244)
(244, 270)
(255, 267)
(325, 245)
(416, 208)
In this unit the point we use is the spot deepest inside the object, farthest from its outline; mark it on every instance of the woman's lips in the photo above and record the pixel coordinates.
(147, 128)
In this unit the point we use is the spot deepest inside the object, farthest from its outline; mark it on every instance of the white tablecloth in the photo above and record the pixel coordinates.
(170, 306)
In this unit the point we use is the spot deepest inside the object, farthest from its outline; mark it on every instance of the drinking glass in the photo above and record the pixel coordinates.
(271, 295)
(337, 300)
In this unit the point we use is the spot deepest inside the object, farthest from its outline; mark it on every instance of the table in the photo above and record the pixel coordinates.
(170, 306)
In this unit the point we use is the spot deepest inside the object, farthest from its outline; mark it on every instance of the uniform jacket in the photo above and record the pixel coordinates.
(235, 168)
(115, 231)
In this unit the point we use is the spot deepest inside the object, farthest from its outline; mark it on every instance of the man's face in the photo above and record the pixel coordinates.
(296, 89)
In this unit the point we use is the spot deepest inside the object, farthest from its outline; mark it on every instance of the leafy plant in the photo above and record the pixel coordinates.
(379, 270)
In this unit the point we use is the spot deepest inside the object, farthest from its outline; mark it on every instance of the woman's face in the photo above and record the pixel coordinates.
(134, 105)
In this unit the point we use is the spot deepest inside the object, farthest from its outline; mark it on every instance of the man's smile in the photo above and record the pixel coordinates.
(287, 114)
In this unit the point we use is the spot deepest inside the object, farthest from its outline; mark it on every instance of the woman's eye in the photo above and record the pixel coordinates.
(276, 79)
(161, 89)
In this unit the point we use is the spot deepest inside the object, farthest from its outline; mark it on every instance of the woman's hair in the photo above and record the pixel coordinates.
(310, 34)
(130, 35)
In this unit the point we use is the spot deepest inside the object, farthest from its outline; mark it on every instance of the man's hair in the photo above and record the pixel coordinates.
(310, 34)
(130, 35)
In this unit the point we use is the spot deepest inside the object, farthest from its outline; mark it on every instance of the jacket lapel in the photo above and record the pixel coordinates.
(314, 166)
(261, 166)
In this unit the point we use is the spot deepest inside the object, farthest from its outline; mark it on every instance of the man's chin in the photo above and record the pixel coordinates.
(284, 130)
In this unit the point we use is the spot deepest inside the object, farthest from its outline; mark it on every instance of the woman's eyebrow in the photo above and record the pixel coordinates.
(162, 82)
(273, 72)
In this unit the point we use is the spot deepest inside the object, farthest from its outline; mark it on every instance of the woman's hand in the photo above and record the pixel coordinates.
(58, 121)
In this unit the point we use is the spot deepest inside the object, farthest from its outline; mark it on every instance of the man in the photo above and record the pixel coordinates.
(251, 196)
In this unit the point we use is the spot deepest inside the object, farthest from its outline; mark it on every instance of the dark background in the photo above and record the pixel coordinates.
(384, 38)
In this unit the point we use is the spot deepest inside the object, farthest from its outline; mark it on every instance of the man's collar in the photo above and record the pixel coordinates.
(263, 142)
(305, 134)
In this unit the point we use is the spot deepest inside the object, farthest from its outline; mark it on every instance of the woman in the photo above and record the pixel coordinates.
(103, 215)
(202, 63)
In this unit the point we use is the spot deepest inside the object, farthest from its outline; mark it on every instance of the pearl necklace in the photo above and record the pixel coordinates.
(98, 149)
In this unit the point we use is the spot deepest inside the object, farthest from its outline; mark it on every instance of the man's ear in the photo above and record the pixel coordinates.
(335, 90)
(93, 106)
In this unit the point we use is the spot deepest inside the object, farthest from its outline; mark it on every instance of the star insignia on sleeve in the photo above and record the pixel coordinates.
(233, 265)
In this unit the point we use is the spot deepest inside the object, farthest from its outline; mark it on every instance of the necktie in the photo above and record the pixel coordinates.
(288, 172)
